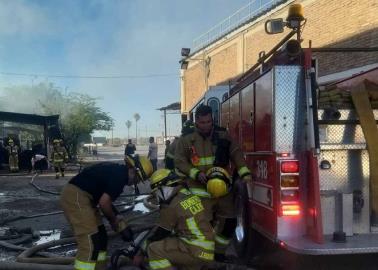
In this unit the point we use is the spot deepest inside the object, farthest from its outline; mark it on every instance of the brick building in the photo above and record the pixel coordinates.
(330, 23)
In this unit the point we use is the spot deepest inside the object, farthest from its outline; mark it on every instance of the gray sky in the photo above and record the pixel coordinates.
(140, 38)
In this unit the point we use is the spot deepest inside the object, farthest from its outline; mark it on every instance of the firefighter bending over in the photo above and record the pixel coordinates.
(184, 238)
(206, 147)
(59, 157)
(13, 156)
(98, 185)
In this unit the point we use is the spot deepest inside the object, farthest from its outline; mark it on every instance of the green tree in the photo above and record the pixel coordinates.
(137, 118)
(128, 125)
(79, 114)
(82, 118)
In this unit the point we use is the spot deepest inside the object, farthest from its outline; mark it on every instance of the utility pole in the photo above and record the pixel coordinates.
(165, 124)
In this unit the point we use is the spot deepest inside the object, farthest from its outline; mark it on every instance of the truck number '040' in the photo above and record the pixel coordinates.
(262, 169)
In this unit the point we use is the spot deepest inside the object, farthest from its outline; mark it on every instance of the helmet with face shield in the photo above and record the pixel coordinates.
(163, 184)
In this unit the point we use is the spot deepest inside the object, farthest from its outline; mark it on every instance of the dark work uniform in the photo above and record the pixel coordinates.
(79, 200)
(130, 149)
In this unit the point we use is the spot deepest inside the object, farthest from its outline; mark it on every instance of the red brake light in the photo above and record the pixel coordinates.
(290, 210)
(291, 166)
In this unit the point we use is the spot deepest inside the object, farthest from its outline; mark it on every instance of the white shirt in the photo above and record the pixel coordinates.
(153, 151)
(36, 158)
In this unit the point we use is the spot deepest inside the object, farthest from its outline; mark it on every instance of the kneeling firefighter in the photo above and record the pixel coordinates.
(184, 238)
(93, 189)
(206, 147)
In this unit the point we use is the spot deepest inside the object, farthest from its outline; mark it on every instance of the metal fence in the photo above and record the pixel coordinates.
(250, 12)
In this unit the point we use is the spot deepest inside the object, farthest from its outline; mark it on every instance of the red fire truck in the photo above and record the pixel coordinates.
(313, 151)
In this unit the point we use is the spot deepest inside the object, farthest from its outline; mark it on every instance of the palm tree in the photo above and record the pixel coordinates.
(136, 117)
(128, 125)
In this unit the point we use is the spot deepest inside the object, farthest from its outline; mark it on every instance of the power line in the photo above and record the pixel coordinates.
(88, 76)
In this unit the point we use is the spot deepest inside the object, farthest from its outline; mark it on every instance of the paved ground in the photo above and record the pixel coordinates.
(19, 198)
(22, 205)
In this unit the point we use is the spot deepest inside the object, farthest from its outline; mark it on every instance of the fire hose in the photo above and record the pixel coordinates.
(24, 262)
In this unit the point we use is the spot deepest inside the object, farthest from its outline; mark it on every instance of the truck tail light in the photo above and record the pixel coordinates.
(290, 210)
(290, 190)
(290, 166)
(289, 196)
(289, 181)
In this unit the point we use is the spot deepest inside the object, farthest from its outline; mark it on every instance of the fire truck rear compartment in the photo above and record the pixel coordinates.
(344, 178)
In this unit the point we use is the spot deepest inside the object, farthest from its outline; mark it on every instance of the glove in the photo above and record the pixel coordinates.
(119, 224)
(202, 178)
(127, 234)
(247, 178)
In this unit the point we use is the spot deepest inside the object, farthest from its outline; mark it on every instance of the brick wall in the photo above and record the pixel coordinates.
(330, 23)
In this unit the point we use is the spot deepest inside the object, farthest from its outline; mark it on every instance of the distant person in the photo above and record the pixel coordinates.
(94, 150)
(130, 148)
(39, 163)
(59, 157)
(2, 154)
(167, 144)
(13, 155)
(153, 153)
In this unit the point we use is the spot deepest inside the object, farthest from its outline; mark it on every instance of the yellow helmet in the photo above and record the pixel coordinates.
(10, 141)
(142, 164)
(163, 177)
(219, 182)
(56, 141)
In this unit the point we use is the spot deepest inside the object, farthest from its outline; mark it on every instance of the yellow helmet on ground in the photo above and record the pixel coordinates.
(163, 177)
(142, 164)
(219, 182)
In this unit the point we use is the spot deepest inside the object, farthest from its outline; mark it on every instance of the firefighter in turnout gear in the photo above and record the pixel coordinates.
(59, 157)
(187, 127)
(13, 156)
(94, 189)
(206, 147)
(184, 237)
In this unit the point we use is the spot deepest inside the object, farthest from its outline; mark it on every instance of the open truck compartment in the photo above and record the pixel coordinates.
(345, 168)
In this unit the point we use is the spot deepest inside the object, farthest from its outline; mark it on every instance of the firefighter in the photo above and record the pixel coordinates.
(206, 147)
(184, 237)
(59, 157)
(13, 155)
(93, 189)
(187, 127)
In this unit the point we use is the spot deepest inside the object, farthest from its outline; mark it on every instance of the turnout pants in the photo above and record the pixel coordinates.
(59, 168)
(171, 254)
(13, 162)
(88, 228)
(222, 213)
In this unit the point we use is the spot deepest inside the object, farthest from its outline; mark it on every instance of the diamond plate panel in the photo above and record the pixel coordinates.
(344, 114)
(288, 101)
(342, 134)
(349, 172)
